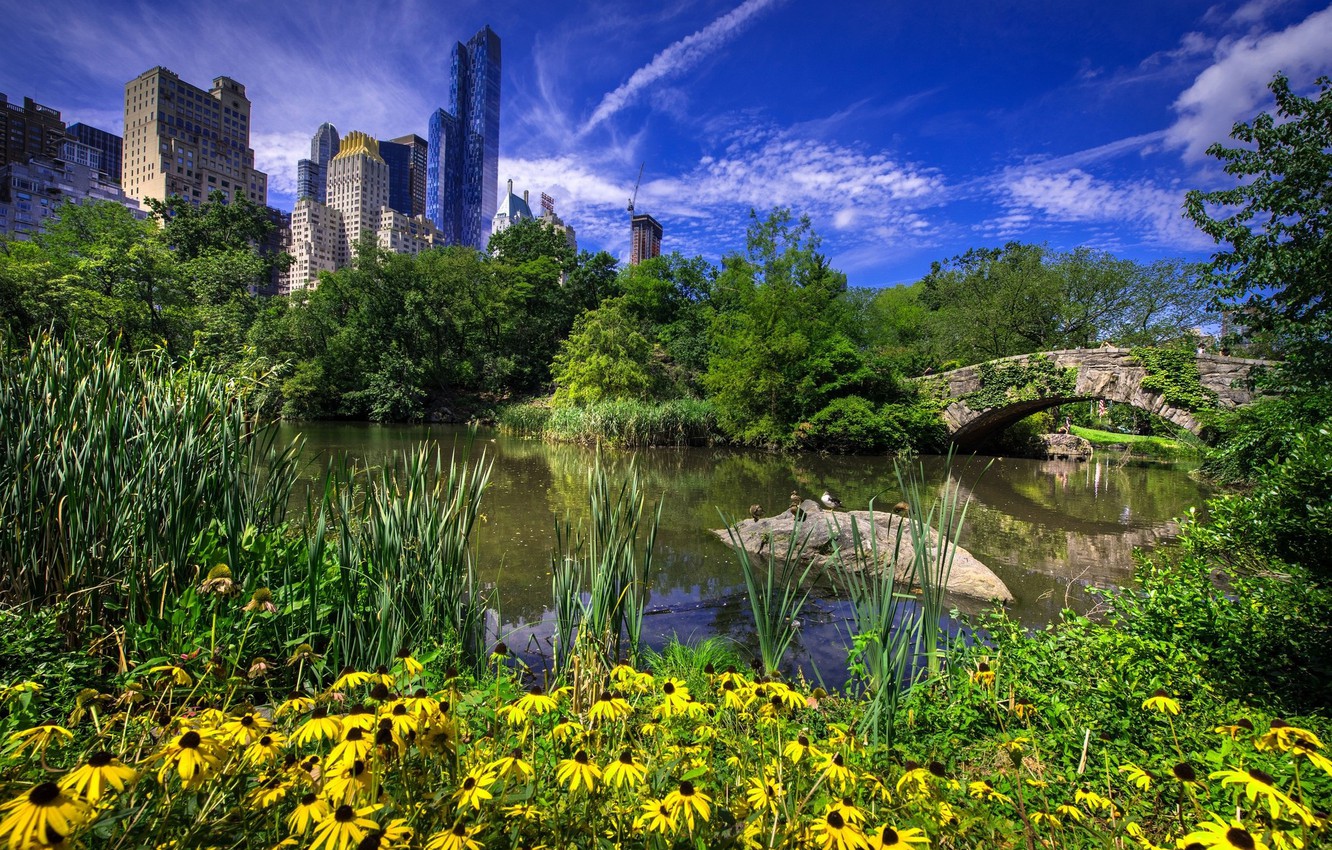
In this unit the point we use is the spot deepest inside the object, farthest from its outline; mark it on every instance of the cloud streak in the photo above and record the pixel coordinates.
(680, 56)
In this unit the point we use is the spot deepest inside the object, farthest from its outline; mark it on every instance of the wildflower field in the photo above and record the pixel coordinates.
(184, 665)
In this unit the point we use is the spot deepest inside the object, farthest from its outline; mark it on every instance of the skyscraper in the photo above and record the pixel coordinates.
(187, 141)
(29, 130)
(406, 157)
(645, 239)
(312, 173)
(462, 170)
(108, 143)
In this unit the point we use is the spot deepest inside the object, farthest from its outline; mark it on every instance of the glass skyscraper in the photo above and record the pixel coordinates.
(312, 173)
(462, 171)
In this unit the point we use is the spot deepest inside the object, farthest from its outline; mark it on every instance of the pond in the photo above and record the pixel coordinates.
(1049, 529)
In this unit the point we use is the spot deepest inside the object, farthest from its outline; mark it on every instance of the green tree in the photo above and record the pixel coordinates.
(607, 357)
(1274, 267)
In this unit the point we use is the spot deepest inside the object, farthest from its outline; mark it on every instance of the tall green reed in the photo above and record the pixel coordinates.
(600, 572)
(777, 593)
(114, 466)
(898, 634)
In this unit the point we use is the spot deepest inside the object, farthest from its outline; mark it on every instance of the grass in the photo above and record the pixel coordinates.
(1165, 448)
(622, 423)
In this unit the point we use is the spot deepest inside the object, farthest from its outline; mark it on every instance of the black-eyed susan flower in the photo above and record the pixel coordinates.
(1234, 730)
(625, 771)
(887, 837)
(474, 790)
(983, 790)
(568, 730)
(172, 674)
(349, 782)
(834, 832)
(834, 767)
(983, 675)
(800, 748)
(309, 810)
(405, 723)
(733, 697)
(1137, 777)
(246, 729)
(847, 808)
(1259, 783)
(409, 665)
(763, 793)
(303, 654)
(343, 828)
(193, 755)
(101, 771)
(1184, 773)
(350, 678)
(609, 708)
(675, 699)
(460, 836)
(269, 791)
(1162, 702)
(512, 766)
(318, 727)
(38, 738)
(576, 771)
(1223, 835)
(361, 717)
(1024, 708)
(537, 702)
(293, 705)
(688, 801)
(1093, 801)
(355, 745)
(1282, 736)
(41, 811)
(657, 817)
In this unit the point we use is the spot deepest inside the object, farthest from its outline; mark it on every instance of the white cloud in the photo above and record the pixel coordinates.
(1034, 196)
(678, 57)
(1234, 87)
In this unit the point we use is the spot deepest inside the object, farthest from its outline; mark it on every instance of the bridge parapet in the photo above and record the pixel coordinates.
(1108, 373)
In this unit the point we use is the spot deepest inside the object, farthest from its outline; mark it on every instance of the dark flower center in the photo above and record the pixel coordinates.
(1239, 838)
(1159, 692)
(345, 814)
(399, 710)
(668, 689)
(1184, 772)
(380, 691)
(580, 757)
(460, 829)
(1261, 776)
(44, 794)
(100, 759)
(889, 837)
(420, 693)
(536, 690)
(247, 720)
(1244, 723)
(686, 788)
(626, 757)
(309, 799)
(190, 740)
(606, 696)
(835, 820)
(728, 685)
(983, 667)
(266, 741)
(355, 734)
(371, 841)
(1278, 723)
(469, 783)
(319, 713)
(938, 770)
(838, 760)
(802, 741)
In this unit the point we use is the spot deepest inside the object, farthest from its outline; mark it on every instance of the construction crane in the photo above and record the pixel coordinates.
(634, 197)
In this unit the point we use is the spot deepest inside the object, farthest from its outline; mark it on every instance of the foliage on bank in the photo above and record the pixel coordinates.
(1173, 372)
(1007, 381)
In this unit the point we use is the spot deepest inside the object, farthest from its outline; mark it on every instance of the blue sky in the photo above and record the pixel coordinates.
(908, 132)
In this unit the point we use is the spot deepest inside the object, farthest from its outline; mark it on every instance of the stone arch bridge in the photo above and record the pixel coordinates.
(1102, 373)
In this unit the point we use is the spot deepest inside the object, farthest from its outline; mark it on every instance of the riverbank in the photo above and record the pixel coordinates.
(1137, 445)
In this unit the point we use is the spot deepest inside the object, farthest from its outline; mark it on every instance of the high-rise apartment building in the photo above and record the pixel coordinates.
(31, 192)
(109, 144)
(312, 173)
(513, 209)
(462, 172)
(645, 238)
(407, 157)
(29, 130)
(187, 141)
(323, 236)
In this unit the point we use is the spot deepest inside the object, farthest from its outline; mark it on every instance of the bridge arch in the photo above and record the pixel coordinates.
(1107, 373)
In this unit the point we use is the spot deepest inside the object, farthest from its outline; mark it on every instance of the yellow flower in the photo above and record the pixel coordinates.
(689, 800)
(91, 779)
(983, 675)
(410, 665)
(350, 678)
(319, 727)
(846, 807)
(1227, 836)
(344, 783)
(38, 738)
(194, 755)
(800, 748)
(310, 810)
(523, 811)
(578, 770)
(246, 729)
(511, 766)
(834, 767)
(836, 833)
(1025, 709)
(676, 698)
(609, 708)
(536, 702)
(294, 705)
(1162, 702)
(1137, 777)
(343, 828)
(733, 697)
(176, 675)
(657, 817)
(475, 789)
(983, 790)
(36, 816)
(457, 837)
(355, 745)
(396, 836)
(1234, 729)
(268, 792)
(763, 793)
(888, 837)
(1281, 735)
(1258, 783)
(1093, 801)
(568, 730)
(625, 771)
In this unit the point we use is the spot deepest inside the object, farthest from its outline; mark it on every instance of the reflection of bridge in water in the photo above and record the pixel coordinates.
(1102, 373)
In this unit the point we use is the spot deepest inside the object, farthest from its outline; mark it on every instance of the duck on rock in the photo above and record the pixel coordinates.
(830, 501)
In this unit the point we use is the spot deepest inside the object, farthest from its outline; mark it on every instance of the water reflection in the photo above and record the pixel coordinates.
(1048, 529)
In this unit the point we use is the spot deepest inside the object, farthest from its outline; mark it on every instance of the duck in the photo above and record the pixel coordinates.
(756, 511)
(902, 509)
(795, 498)
(831, 501)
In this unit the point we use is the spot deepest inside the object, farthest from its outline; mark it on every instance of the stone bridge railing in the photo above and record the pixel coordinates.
(1103, 373)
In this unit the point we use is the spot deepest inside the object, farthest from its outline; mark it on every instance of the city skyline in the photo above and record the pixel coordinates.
(907, 136)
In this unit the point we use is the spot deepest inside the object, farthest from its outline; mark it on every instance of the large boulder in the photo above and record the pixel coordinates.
(828, 535)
